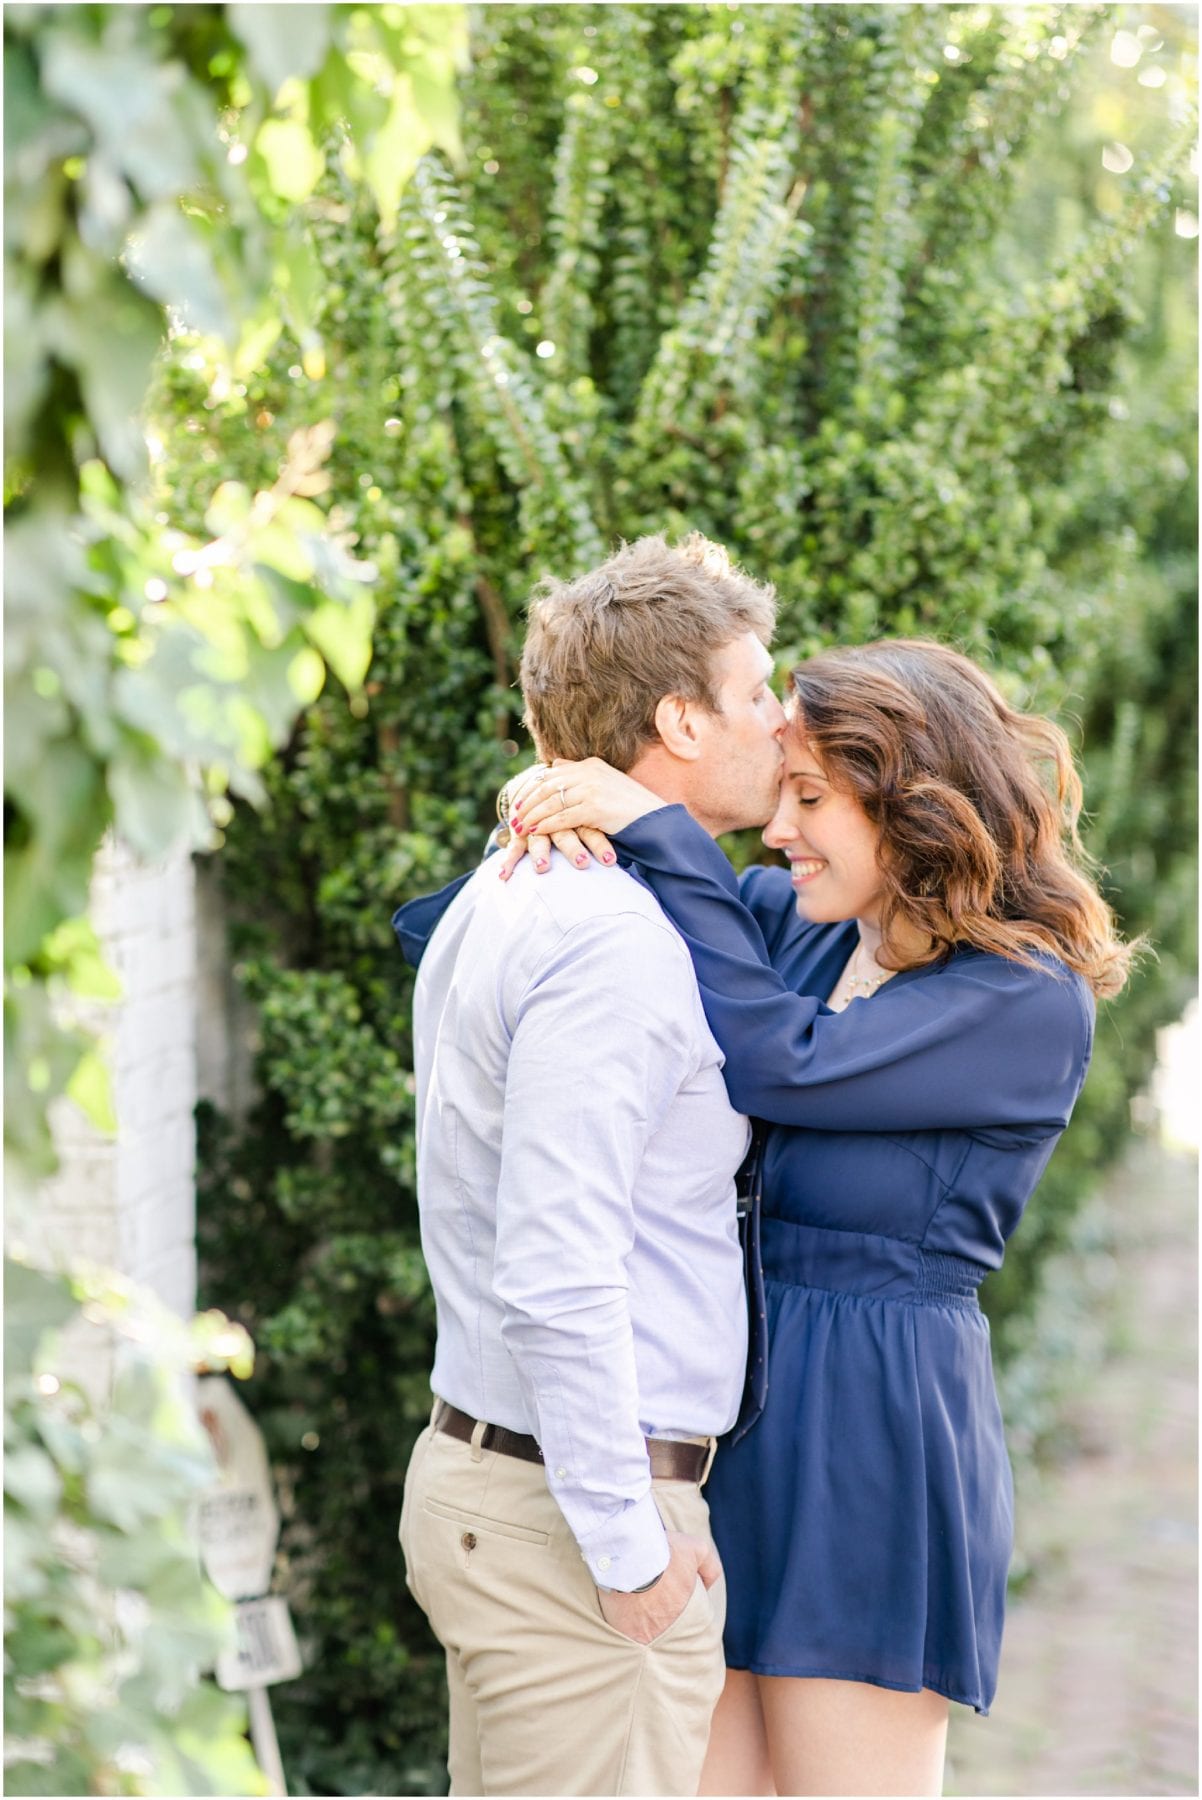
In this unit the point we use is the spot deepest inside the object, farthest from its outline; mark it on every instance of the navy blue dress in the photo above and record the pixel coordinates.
(865, 1521)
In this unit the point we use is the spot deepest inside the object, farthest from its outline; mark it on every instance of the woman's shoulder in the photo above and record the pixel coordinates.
(1042, 988)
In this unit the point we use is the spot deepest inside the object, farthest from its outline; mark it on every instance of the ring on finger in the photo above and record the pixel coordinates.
(563, 799)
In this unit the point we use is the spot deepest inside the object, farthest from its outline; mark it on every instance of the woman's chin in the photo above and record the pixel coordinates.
(811, 909)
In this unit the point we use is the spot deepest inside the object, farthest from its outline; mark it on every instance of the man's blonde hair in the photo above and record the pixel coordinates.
(602, 651)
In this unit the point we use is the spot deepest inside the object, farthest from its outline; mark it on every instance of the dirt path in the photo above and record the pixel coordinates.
(1099, 1679)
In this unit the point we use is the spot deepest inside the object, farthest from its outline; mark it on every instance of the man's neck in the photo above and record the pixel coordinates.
(666, 776)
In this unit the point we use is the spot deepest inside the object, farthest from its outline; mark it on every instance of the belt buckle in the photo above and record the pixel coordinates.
(709, 1462)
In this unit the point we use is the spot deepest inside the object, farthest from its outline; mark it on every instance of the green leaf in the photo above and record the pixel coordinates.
(436, 104)
(91, 1088)
(46, 878)
(229, 509)
(152, 802)
(26, 365)
(170, 257)
(300, 280)
(38, 1645)
(255, 345)
(66, 1773)
(34, 1304)
(343, 634)
(398, 145)
(294, 163)
(134, 1562)
(282, 40)
(110, 334)
(25, 1578)
(31, 1479)
(139, 108)
(74, 952)
(306, 676)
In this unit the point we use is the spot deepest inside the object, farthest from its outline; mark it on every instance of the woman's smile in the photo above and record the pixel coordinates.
(805, 868)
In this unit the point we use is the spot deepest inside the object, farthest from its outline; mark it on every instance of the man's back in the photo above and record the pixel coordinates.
(575, 1165)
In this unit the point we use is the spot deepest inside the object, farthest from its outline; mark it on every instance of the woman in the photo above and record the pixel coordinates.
(910, 1009)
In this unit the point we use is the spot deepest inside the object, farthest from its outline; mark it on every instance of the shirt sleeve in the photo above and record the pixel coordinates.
(597, 1057)
(980, 1044)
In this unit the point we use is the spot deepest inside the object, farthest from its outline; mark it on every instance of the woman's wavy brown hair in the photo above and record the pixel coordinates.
(977, 806)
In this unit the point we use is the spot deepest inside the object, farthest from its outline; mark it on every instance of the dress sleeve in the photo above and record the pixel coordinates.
(979, 1044)
(768, 896)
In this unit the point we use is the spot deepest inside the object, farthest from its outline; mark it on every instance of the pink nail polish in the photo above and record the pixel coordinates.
(609, 857)
(514, 826)
(581, 861)
(541, 863)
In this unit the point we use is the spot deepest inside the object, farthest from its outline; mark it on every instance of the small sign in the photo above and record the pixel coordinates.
(266, 1651)
(239, 1521)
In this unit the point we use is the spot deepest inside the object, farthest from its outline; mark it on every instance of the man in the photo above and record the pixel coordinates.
(575, 1178)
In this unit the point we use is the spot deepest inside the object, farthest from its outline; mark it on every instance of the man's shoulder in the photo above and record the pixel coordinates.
(568, 898)
(533, 921)
(600, 910)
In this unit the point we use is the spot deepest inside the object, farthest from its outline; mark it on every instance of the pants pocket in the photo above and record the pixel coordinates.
(480, 1522)
(694, 1616)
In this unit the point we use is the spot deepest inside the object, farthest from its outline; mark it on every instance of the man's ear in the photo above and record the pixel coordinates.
(676, 721)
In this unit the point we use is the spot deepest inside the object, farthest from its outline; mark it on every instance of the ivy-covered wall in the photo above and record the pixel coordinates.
(809, 279)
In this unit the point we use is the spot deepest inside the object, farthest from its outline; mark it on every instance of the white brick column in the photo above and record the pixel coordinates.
(129, 1202)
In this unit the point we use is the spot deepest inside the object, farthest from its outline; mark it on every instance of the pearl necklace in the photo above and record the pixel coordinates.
(854, 986)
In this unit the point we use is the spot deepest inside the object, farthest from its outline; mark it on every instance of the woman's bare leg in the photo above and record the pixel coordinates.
(847, 1737)
(737, 1760)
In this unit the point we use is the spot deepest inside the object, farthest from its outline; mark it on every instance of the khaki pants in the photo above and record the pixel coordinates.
(546, 1697)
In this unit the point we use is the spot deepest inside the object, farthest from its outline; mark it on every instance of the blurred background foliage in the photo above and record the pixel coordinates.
(155, 158)
(155, 162)
(898, 302)
(108, 1617)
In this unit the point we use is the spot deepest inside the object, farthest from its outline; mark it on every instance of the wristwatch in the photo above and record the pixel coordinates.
(646, 1587)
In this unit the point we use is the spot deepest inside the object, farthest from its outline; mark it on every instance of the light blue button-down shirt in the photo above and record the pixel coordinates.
(576, 1155)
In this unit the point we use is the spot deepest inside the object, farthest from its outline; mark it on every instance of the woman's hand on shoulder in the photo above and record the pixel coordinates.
(571, 805)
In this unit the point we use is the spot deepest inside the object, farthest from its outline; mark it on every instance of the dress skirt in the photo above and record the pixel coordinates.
(865, 1521)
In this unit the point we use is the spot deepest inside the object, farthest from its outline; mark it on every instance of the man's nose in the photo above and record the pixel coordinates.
(781, 719)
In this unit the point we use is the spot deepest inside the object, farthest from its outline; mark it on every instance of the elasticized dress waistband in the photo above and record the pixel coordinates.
(854, 1262)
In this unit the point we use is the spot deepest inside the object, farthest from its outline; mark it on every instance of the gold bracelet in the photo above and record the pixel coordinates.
(503, 796)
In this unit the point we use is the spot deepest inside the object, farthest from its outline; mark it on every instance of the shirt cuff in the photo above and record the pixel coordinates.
(629, 1550)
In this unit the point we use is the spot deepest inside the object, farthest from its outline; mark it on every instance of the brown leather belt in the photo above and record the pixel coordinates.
(670, 1459)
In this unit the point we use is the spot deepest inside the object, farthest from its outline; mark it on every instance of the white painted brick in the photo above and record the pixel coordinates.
(148, 963)
(173, 1278)
(57, 1239)
(127, 905)
(130, 1202)
(151, 1027)
(159, 1164)
(148, 1098)
(156, 1226)
(86, 1179)
(73, 1131)
(176, 898)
